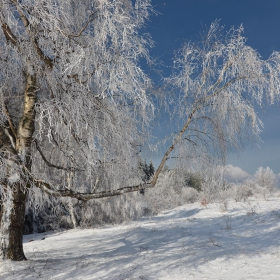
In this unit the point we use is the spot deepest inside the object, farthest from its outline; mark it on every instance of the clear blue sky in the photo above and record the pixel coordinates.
(182, 20)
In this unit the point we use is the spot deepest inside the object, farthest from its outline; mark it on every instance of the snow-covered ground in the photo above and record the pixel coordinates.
(189, 242)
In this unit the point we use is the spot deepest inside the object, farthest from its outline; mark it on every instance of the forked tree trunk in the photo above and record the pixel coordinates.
(12, 223)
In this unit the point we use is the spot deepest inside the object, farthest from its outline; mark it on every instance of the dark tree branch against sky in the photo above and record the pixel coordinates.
(180, 21)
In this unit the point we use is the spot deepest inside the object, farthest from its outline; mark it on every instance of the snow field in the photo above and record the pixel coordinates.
(189, 242)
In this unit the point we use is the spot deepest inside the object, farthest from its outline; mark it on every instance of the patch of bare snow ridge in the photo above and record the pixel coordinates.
(189, 242)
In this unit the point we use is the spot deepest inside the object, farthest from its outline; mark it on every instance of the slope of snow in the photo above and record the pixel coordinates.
(189, 242)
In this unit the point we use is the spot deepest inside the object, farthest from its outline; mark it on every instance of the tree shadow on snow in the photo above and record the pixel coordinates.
(174, 239)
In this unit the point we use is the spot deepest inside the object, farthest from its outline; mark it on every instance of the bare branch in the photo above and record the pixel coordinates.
(49, 189)
(10, 37)
(50, 164)
(91, 18)
(9, 118)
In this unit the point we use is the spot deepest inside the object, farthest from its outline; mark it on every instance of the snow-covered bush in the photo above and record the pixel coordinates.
(112, 210)
(45, 213)
(265, 181)
(241, 192)
(171, 191)
(214, 185)
(69, 213)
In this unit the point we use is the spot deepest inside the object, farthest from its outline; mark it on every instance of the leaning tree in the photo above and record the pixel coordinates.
(74, 100)
(213, 91)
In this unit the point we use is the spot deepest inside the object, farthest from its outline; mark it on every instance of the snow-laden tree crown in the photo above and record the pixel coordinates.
(87, 89)
(73, 100)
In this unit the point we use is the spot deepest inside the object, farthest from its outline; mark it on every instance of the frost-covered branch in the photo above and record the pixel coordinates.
(216, 84)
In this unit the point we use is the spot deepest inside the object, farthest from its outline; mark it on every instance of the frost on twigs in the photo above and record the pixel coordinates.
(219, 81)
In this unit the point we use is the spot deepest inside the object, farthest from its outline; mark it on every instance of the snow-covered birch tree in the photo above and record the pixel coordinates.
(73, 102)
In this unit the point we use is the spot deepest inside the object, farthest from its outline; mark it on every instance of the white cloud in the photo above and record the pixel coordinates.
(235, 173)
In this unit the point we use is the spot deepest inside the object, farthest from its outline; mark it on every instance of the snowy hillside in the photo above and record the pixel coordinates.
(189, 242)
